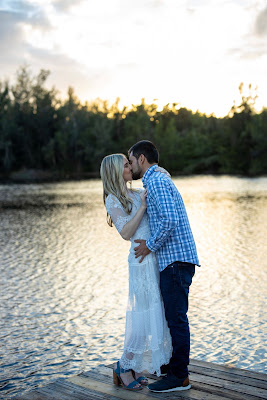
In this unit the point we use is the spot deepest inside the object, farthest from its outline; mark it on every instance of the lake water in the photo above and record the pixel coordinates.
(64, 278)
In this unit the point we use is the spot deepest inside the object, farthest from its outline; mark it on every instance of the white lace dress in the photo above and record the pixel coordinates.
(147, 343)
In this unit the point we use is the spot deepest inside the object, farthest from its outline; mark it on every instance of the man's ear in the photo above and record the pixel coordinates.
(142, 159)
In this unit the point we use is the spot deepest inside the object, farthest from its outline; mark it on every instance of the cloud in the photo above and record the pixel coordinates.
(261, 23)
(12, 41)
(9, 25)
(25, 30)
(135, 48)
(14, 46)
(252, 43)
(18, 5)
(250, 52)
(16, 50)
(65, 5)
(27, 13)
(65, 71)
(154, 3)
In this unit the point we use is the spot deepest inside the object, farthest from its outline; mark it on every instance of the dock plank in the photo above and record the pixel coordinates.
(145, 394)
(227, 369)
(209, 382)
(197, 391)
(226, 383)
(65, 390)
(107, 388)
(228, 375)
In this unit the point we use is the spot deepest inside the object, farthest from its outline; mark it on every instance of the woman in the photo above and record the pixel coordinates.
(147, 343)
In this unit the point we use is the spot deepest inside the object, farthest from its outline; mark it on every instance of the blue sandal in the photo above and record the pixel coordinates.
(117, 379)
(140, 379)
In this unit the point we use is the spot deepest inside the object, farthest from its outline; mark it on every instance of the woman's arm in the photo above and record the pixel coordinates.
(125, 225)
(130, 228)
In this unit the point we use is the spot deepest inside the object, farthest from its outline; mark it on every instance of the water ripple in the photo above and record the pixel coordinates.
(64, 278)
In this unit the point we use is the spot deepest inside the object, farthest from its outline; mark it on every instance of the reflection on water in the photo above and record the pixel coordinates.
(64, 278)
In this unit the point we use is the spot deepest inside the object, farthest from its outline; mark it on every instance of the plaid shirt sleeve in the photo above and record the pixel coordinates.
(162, 202)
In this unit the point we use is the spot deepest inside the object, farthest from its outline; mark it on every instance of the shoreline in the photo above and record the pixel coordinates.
(28, 176)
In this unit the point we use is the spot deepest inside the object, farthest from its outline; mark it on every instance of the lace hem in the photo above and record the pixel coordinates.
(136, 352)
(148, 361)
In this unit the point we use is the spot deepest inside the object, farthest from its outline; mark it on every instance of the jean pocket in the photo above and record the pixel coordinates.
(186, 275)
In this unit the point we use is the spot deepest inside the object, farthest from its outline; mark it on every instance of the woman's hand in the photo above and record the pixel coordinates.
(143, 197)
(130, 228)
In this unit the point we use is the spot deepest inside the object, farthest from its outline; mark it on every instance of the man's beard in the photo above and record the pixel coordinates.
(137, 174)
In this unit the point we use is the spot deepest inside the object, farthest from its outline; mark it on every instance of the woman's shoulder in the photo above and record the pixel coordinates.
(112, 200)
(110, 197)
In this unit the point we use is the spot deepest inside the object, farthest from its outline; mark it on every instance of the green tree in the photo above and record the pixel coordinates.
(38, 130)
(6, 127)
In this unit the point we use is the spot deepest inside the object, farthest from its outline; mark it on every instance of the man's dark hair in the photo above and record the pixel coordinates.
(147, 148)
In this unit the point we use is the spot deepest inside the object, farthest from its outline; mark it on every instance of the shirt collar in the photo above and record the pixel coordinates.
(148, 173)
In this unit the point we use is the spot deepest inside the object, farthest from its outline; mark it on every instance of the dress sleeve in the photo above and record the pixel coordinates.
(116, 211)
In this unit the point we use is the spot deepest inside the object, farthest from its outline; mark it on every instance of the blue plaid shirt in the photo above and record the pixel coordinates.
(171, 236)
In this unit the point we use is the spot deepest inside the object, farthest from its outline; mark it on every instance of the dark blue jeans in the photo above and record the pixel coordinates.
(175, 281)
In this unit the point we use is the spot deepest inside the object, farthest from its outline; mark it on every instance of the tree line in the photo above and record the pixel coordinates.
(40, 131)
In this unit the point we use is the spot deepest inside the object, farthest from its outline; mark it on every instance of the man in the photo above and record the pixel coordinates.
(172, 240)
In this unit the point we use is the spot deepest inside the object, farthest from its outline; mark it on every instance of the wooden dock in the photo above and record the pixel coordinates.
(209, 382)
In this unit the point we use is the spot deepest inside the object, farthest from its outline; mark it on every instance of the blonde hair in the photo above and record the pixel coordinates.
(111, 172)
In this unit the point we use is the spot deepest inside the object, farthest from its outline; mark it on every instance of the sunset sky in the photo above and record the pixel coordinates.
(192, 52)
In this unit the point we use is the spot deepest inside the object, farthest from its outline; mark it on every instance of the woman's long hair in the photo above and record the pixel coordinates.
(111, 172)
